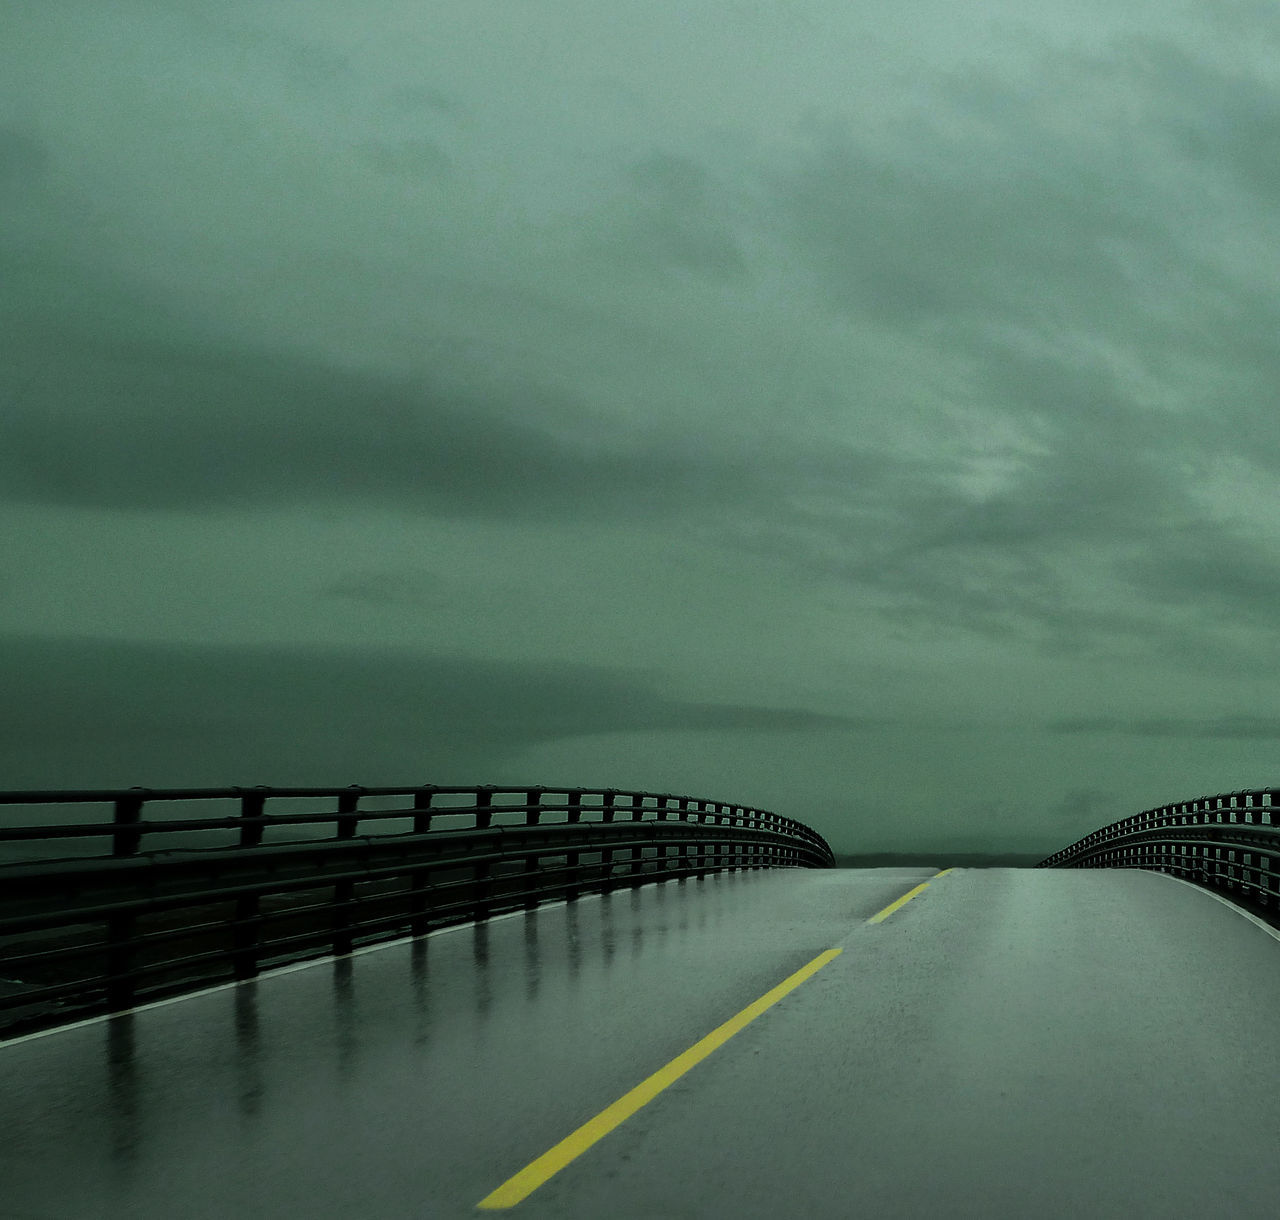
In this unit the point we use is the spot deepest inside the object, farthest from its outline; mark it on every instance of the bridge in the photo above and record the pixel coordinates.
(650, 1018)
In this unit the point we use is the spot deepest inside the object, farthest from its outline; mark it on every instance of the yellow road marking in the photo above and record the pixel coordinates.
(533, 1175)
(881, 916)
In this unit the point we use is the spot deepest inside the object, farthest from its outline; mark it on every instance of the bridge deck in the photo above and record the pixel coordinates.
(1007, 1043)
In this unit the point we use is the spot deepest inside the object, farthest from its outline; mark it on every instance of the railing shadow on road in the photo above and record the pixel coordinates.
(109, 898)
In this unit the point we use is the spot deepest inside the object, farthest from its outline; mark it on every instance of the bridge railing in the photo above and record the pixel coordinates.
(1229, 842)
(111, 897)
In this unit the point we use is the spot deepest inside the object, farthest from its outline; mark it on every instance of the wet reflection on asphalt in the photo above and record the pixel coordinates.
(418, 1072)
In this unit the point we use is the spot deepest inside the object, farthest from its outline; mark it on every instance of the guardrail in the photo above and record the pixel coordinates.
(110, 897)
(1229, 842)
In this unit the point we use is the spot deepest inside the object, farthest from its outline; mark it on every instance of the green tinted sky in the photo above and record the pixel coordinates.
(867, 411)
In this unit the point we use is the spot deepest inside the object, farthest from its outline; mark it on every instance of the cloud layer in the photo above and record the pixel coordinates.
(178, 714)
(816, 360)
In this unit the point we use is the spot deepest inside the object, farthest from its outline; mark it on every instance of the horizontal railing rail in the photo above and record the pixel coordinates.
(110, 897)
(1228, 842)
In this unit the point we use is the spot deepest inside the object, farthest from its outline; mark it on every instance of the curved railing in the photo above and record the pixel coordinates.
(109, 897)
(1229, 842)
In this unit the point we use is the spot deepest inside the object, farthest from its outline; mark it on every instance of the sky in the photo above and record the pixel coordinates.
(867, 412)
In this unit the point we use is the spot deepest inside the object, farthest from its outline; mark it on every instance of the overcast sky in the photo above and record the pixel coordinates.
(864, 411)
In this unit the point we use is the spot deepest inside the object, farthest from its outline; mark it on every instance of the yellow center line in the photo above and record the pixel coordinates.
(881, 916)
(533, 1175)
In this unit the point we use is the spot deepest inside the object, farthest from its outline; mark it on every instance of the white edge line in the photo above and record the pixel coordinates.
(277, 971)
(1226, 902)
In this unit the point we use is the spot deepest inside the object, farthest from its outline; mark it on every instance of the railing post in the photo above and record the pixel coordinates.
(607, 798)
(422, 810)
(348, 812)
(574, 858)
(252, 807)
(127, 833)
(344, 891)
(420, 878)
(530, 869)
(419, 901)
(244, 937)
(483, 892)
(125, 839)
(482, 898)
(120, 957)
(247, 908)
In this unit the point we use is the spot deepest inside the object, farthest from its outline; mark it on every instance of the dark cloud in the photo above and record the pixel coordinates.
(106, 415)
(1043, 260)
(23, 158)
(92, 711)
(423, 98)
(1083, 809)
(1162, 343)
(388, 589)
(675, 215)
(1224, 119)
(1235, 578)
(981, 360)
(944, 230)
(1027, 559)
(1068, 277)
(117, 401)
(1231, 728)
(417, 157)
(314, 65)
(102, 416)
(124, 408)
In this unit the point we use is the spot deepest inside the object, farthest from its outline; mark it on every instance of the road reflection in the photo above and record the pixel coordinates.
(532, 959)
(248, 1059)
(124, 1114)
(345, 1020)
(483, 983)
(420, 989)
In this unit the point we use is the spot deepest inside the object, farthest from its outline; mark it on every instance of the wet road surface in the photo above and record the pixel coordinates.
(1007, 1043)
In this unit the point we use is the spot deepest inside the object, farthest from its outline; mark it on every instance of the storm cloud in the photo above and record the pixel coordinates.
(100, 712)
(870, 412)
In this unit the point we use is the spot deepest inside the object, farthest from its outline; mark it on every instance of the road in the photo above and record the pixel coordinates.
(1005, 1043)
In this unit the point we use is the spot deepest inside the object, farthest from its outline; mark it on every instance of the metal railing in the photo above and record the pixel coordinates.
(1229, 842)
(110, 897)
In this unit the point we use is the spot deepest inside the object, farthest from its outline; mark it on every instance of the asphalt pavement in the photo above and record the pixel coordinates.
(1003, 1043)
